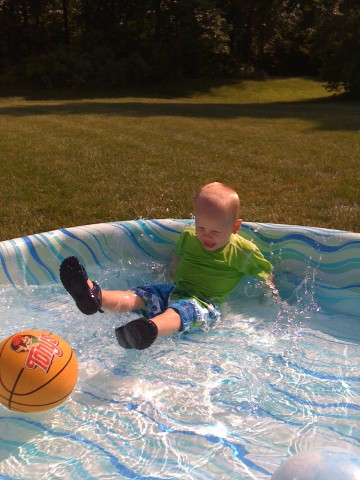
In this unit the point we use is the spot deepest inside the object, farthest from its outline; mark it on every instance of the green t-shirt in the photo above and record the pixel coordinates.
(213, 275)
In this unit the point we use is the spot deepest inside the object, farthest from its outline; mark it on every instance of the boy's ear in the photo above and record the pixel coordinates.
(237, 225)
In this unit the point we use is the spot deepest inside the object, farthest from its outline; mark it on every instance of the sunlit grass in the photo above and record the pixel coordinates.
(290, 150)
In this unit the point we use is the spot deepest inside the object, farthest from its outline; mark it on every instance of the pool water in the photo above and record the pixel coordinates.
(269, 380)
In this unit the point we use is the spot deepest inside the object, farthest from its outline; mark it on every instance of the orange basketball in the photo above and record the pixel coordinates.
(38, 371)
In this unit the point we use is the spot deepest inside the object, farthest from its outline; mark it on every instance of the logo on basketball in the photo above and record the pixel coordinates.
(40, 350)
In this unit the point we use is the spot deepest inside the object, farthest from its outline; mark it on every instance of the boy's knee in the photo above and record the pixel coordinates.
(194, 313)
(187, 313)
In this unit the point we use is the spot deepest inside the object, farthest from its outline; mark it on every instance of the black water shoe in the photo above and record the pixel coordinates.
(74, 278)
(139, 334)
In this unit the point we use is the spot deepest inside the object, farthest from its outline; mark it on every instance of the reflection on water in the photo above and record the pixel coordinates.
(268, 380)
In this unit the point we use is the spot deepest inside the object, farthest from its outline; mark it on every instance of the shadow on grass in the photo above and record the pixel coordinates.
(166, 91)
(328, 114)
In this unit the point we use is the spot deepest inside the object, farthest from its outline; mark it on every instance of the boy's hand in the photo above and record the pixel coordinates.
(275, 292)
(172, 267)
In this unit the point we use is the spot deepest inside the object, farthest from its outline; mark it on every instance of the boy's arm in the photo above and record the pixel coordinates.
(271, 284)
(174, 260)
(172, 267)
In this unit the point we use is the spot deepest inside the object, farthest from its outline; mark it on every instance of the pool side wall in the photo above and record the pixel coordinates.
(326, 260)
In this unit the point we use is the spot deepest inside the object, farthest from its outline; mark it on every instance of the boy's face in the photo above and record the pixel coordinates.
(213, 226)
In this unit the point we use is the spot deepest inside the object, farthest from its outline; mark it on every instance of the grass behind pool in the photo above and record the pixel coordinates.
(287, 146)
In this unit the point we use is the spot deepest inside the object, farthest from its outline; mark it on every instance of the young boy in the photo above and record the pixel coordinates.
(212, 259)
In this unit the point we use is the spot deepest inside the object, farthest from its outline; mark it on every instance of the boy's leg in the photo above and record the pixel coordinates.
(89, 297)
(181, 315)
(121, 301)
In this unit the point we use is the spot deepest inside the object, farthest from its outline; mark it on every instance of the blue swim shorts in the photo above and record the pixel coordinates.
(193, 311)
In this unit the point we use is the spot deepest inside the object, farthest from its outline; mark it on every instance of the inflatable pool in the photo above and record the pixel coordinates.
(267, 382)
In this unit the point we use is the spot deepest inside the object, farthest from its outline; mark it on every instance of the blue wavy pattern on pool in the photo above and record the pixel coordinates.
(330, 257)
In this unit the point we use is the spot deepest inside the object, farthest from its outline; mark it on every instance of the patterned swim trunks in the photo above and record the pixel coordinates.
(194, 312)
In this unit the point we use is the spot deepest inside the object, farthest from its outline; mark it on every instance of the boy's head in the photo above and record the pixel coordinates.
(217, 210)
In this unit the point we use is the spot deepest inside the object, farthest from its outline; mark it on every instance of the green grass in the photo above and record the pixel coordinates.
(288, 147)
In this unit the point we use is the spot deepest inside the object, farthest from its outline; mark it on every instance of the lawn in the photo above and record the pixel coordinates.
(289, 148)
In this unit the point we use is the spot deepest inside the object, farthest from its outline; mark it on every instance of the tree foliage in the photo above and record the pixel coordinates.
(76, 43)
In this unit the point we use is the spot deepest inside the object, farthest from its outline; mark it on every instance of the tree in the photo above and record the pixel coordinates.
(118, 42)
(340, 49)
